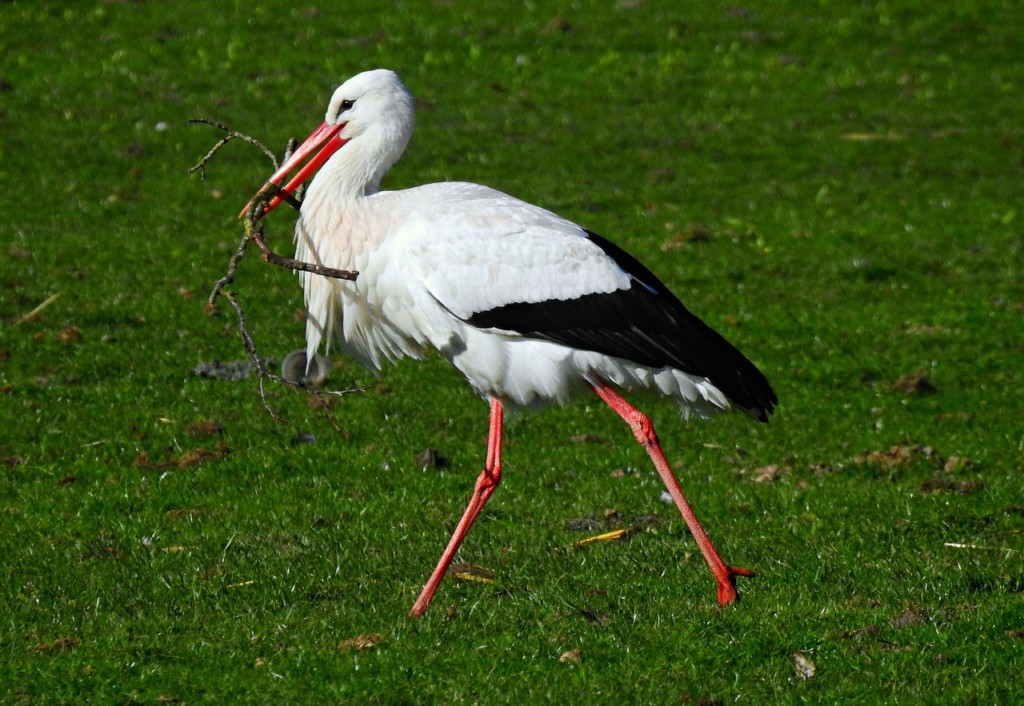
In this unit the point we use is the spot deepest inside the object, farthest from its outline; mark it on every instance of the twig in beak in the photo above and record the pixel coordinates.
(254, 234)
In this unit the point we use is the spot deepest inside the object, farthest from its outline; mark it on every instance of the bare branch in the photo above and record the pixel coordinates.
(252, 222)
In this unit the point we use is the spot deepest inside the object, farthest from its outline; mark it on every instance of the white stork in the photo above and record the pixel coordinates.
(529, 306)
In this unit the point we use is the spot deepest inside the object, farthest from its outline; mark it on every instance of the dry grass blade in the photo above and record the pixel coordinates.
(980, 547)
(361, 642)
(34, 314)
(606, 537)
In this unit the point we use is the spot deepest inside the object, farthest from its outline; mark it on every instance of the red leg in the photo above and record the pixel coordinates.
(486, 482)
(643, 430)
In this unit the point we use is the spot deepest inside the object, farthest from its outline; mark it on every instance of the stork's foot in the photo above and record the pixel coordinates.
(727, 593)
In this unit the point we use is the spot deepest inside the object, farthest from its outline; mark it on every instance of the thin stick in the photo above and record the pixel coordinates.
(229, 276)
(231, 135)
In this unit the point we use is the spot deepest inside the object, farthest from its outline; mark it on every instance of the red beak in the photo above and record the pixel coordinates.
(324, 137)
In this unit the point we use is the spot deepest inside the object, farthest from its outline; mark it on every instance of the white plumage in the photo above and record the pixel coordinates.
(529, 306)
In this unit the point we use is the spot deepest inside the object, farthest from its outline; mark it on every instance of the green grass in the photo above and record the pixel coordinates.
(854, 171)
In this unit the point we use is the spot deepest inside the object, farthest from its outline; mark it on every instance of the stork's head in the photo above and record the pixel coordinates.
(373, 110)
(373, 100)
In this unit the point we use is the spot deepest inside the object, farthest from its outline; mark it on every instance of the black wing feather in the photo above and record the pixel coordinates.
(646, 324)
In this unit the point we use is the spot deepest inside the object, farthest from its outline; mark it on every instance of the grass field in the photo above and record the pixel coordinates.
(835, 186)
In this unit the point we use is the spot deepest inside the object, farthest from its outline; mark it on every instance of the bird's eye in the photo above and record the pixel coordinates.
(345, 105)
